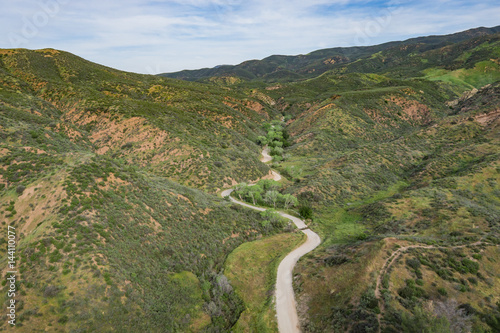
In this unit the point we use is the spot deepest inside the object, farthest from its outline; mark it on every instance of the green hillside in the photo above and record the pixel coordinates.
(94, 175)
(393, 158)
(111, 180)
(278, 68)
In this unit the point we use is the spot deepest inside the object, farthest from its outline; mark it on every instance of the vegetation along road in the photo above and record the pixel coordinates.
(285, 300)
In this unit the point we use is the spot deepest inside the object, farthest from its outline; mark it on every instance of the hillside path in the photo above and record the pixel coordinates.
(286, 310)
(392, 259)
(265, 155)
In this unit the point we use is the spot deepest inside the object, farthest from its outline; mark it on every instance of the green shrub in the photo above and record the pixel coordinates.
(20, 189)
(63, 319)
(306, 211)
(442, 291)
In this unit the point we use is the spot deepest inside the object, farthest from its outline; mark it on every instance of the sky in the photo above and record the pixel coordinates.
(161, 36)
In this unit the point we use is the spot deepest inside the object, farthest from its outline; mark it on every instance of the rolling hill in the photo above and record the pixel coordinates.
(110, 180)
(95, 170)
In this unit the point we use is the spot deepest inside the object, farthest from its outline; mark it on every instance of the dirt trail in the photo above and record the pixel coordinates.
(286, 310)
(265, 155)
(392, 259)
(268, 158)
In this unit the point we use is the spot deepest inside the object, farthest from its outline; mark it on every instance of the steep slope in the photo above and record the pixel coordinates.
(106, 240)
(391, 151)
(191, 133)
(437, 184)
(387, 163)
(388, 154)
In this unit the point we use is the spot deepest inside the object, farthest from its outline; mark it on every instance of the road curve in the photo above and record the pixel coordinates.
(286, 310)
(265, 155)
(268, 158)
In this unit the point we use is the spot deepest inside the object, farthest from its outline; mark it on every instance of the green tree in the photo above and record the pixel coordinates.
(240, 189)
(274, 218)
(277, 151)
(290, 201)
(271, 197)
(255, 193)
(277, 158)
(305, 211)
(267, 127)
(262, 140)
(277, 144)
(269, 184)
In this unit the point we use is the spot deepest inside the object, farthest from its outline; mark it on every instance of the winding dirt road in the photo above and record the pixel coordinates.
(286, 310)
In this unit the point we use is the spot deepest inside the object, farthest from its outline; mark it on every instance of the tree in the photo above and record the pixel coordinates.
(265, 224)
(223, 284)
(20, 189)
(290, 201)
(458, 318)
(240, 189)
(254, 192)
(269, 184)
(262, 140)
(273, 217)
(278, 125)
(271, 135)
(277, 158)
(277, 151)
(267, 126)
(271, 197)
(277, 144)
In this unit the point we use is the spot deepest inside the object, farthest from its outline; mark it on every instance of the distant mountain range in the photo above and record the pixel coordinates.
(282, 67)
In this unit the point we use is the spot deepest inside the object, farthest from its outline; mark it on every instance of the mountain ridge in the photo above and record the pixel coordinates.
(254, 69)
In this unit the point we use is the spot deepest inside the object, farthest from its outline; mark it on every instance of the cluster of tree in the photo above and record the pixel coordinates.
(276, 139)
(265, 192)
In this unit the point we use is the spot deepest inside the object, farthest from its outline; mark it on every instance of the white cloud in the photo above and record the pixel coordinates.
(172, 35)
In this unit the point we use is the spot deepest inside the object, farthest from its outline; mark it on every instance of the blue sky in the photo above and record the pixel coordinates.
(170, 35)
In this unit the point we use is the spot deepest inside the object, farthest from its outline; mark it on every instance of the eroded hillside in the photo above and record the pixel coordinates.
(95, 165)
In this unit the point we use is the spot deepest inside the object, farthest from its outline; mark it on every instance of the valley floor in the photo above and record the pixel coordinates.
(288, 320)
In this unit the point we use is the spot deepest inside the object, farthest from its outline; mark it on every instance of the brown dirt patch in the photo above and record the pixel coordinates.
(111, 132)
(206, 211)
(112, 182)
(4, 152)
(232, 182)
(37, 203)
(34, 150)
(412, 109)
(488, 118)
(232, 236)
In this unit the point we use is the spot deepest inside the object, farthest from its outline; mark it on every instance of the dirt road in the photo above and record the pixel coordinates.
(265, 155)
(286, 310)
(268, 158)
